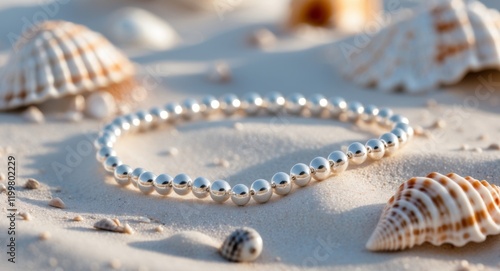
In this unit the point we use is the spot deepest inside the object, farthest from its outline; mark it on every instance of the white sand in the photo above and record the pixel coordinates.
(324, 226)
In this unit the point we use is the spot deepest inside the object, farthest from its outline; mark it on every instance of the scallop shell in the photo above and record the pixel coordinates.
(59, 58)
(437, 45)
(242, 245)
(438, 209)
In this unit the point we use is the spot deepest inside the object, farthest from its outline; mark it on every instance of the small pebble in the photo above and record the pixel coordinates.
(115, 264)
(238, 126)
(44, 235)
(33, 114)
(439, 124)
(494, 147)
(222, 163)
(220, 73)
(25, 216)
(262, 38)
(32, 184)
(78, 218)
(418, 130)
(478, 150)
(3, 188)
(57, 202)
(482, 137)
(431, 103)
(159, 229)
(2, 177)
(173, 151)
(464, 147)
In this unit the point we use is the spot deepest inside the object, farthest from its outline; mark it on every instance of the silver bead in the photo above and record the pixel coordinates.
(191, 108)
(401, 135)
(145, 118)
(317, 103)
(398, 118)
(371, 113)
(110, 136)
(375, 148)
(274, 102)
(200, 187)
(300, 174)
(122, 174)
(384, 115)
(406, 128)
(355, 110)
(220, 191)
(320, 168)
(229, 103)
(261, 191)
(122, 123)
(281, 183)
(111, 163)
(336, 106)
(209, 105)
(391, 143)
(295, 103)
(174, 111)
(163, 184)
(338, 162)
(160, 116)
(252, 103)
(134, 122)
(113, 128)
(182, 184)
(104, 153)
(102, 141)
(240, 194)
(357, 153)
(145, 182)
(134, 177)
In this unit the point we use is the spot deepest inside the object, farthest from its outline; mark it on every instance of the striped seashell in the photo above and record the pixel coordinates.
(242, 245)
(436, 44)
(59, 58)
(438, 209)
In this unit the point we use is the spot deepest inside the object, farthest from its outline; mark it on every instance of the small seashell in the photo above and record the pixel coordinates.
(32, 184)
(127, 229)
(70, 59)
(44, 236)
(159, 228)
(173, 151)
(2, 177)
(262, 38)
(33, 114)
(57, 202)
(25, 216)
(113, 225)
(418, 130)
(115, 264)
(220, 73)
(460, 36)
(100, 105)
(494, 147)
(242, 245)
(439, 124)
(138, 28)
(3, 188)
(78, 218)
(438, 209)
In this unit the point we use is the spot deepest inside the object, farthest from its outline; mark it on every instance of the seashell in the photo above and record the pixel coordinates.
(100, 105)
(57, 202)
(138, 28)
(78, 218)
(32, 184)
(494, 147)
(2, 176)
(59, 58)
(33, 114)
(438, 209)
(25, 216)
(262, 38)
(242, 245)
(437, 45)
(113, 225)
(3, 188)
(220, 72)
(44, 236)
(349, 15)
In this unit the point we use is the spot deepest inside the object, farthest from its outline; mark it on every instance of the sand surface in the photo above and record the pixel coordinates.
(321, 227)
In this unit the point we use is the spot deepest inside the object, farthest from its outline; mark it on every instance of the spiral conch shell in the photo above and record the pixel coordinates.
(438, 209)
(59, 58)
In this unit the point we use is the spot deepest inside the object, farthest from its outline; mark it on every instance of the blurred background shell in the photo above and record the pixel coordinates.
(437, 45)
(60, 58)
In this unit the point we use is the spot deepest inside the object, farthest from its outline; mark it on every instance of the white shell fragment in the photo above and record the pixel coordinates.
(100, 105)
(59, 58)
(138, 28)
(113, 225)
(242, 245)
(438, 45)
(33, 114)
(57, 202)
(438, 209)
(32, 184)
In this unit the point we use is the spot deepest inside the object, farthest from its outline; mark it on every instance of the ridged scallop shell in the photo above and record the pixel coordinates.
(242, 245)
(59, 58)
(438, 209)
(438, 45)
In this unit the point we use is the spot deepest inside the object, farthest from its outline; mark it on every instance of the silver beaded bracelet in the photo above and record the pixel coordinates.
(320, 168)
